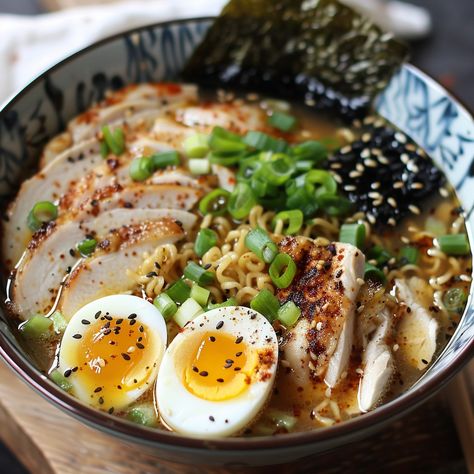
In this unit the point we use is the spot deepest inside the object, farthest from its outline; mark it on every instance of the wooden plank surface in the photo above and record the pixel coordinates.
(47, 441)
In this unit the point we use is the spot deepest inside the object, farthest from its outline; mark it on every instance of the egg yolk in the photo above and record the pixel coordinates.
(115, 356)
(220, 367)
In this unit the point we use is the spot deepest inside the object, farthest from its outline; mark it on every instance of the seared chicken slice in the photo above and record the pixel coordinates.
(378, 365)
(325, 288)
(47, 185)
(417, 330)
(104, 273)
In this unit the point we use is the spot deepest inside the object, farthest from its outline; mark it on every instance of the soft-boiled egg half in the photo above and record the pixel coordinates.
(111, 350)
(218, 373)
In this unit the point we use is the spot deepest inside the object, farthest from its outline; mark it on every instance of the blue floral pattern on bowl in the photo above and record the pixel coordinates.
(412, 101)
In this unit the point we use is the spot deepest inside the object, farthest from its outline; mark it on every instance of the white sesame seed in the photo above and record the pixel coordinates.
(410, 147)
(417, 185)
(313, 355)
(379, 123)
(313, 323)
(337, 178)
(383, 160)
(396, 347)
(392, 261)
(335, 166)
(370, 163)
(311, 365)
(360, 281)
(375, 185)
(404, 158)
(366, 137)
(365, 153)
(310, 102)
(360, 167)
(392, 221)
(319, 326)
(360, 308)
(368, 120)
(376, 151)
(405, 240)
(349, 187)
(400, 137)
(377, 202)
(346, 149)
(359, 371)
(414, 209)
(444, 192)
(412, 167)
(374, 195)
(371, 219)
(355, 174)
(392, 202)
(464, 277)
(398, 184)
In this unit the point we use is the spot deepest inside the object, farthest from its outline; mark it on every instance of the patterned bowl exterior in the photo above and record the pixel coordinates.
(414, 102)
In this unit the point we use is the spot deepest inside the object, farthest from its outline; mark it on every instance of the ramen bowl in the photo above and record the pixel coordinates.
(413, 102)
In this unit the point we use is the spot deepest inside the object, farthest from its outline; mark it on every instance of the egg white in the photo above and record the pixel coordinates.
(118, 306)
(188, 414)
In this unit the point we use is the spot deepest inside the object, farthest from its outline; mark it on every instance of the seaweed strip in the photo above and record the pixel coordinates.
(317, 51)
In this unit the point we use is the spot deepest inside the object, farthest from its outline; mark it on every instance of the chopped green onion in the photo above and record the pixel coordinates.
(115, 140)
(229, 302)
(282, 270)
(37, 326)
(266, 303)
(143, 414)
(334, 205)
(189, 310)
(220, 132)
(259, 187)
(278, 170)
(86, 247)
(223, 146)
(454, 244)
(223, 160)
(215, 202)
(310, 150)
(241, 201)
(303, 165)
(378, 253)
(260, 243)
(371, 272)
(282, 419)
(200, 294)
(179, 291)
(205, 240)
(293, 217)
(141, 168)
(166, 306)
(196, 273)
(353, 234)
(104, 149)
(282, 121)
(409, 254)
(62, 382)
(263, 142)
(455, 300)
(301, 198)
(59, 322)
(164, 159)
(43, 211)
(199, 166)
(324, 178)
(248, 168)
(196, 145)
(288, 314)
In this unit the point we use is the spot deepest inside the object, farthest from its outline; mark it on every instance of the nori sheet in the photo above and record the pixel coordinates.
(317, 51)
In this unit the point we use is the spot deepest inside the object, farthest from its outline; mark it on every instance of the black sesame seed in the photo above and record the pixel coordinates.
(125, 356)
(67, 373)
(132, 322)
(101, 400)
(207, 266)
(157, 266)
(220, 380)
(141, 328)
(119, 321)
(195, 369)
(219, 324)
(237, 369)
(140, 345)
(424, 361)
(132, 316)
(238, 354)
(111, 410)
(77, 336)
(119, 387)
(212, 418)
(151, 274)
(229, 361)
(203, 373)
(85, 322)
(75, 369)
(106, 325)
(227, 365)
(72, 253)
(108, 318)
(107, 331)
(239, 340)
(98, 389)
(212, 339)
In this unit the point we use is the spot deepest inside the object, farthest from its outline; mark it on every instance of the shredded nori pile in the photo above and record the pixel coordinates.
(317, 51)
(384, 174)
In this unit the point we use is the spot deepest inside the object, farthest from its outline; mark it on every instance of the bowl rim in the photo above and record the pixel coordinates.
(25, 370)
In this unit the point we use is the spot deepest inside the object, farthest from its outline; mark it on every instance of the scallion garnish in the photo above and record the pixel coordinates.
(454, 244)
(310, 150)
(293, 220)
(62, 382)
(115, 140)
(282, 121)
(263, 142)
(301, 198)
(229, 302)
(164, 159)
(215, 202)
(324, 178)
(43, 211)
(241, 201)
(37, 326)
(200, 275)
(455, 300)
(371, 272)
(86, 247)
(379, 254)
(282, 270)
(141, 168)
(199, 166)
(200, 294)
(266, 303)
(260, 243)
(409, 255)
(278, 170)
(59, 322)
(333, 205)
(353, 234)
(205, 240)
(226, 147)
(179, 291)
(165, 305)
(289, 313)
(196, 146)
(188, 311)
(143, 414)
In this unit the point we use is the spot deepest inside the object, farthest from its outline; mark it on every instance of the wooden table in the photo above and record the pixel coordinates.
(48, 441)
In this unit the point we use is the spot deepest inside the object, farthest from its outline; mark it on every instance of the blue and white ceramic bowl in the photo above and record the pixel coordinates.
(414, 102)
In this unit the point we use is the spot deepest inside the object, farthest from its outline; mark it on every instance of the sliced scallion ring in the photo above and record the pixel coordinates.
(215, 202)
(260, 243)
(43, 211)
(241, 201)
(293, 220)
(282, 270)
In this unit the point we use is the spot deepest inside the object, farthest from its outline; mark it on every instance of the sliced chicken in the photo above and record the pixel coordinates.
(105, 272)
(232, 116)
(48, 185)
(417, 330)
(378, 365)
(225, 177)
(325, 288)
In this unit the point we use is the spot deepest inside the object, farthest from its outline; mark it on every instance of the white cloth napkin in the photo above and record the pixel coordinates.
(29, 45)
